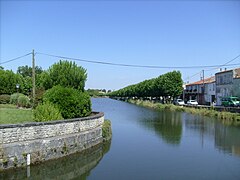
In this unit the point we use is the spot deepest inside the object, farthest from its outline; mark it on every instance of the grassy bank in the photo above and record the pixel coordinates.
(107, 130)
(9, 114)
(226, 117)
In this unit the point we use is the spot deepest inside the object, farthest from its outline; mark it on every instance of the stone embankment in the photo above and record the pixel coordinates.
(31, 143)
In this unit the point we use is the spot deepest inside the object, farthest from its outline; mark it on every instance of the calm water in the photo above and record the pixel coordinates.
(147, 144)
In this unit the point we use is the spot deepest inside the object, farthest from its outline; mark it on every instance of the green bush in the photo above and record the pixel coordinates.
(23, 101)
(14, 98)
(71, 102)
(107, 130)
(5, 99)
(39, 95)
(46, 112)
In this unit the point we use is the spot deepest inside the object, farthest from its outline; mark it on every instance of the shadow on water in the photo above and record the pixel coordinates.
(76, 166)
(166, 124)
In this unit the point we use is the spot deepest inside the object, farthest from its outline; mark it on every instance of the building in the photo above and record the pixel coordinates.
(202, 91)
(227, 84)
(210, 90)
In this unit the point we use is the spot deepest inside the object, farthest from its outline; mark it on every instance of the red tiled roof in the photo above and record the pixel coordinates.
(206, 81)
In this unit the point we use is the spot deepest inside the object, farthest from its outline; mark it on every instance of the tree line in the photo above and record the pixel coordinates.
(59, 90)
(64, 73)
(169, 84)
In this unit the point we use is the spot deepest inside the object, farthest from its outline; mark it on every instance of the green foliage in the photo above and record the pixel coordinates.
(39, 95)
(66, 74)
(46, 112)
(26, 71)
(14, 98)
(23, 101)
(71, 102)
(226, 117)
(97, 92)
(8, 81)
(5, 99)
(169, 84)
(107, 130)
(44, 80)
(20, 99)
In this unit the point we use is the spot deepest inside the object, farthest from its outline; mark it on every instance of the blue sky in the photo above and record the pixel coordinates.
(160, 33)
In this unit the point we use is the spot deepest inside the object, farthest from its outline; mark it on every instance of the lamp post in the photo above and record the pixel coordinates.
(17, 86)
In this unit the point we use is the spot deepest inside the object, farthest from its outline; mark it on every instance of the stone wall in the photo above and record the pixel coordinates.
(75, 166)
(41, 141)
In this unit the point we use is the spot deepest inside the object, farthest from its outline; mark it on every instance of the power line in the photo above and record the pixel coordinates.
(14, 59)
(225, 64)
(188, 78)
(133, 65)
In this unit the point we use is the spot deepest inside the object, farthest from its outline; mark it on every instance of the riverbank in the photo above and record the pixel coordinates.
(227, 118)
(36, 142)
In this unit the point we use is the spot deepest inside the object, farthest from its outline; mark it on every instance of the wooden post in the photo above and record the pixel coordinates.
(33, 78)
(203, 89)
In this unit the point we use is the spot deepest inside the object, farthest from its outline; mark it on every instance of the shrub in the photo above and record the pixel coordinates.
(46, 112)
(14, 98)
(71, 102)
(23, 101)
(106, 130)
(39, 95)
(5, 99)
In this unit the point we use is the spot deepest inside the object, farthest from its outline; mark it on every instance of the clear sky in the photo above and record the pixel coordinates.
(160, 33)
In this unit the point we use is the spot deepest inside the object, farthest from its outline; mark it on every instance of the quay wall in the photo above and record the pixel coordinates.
(31, 143)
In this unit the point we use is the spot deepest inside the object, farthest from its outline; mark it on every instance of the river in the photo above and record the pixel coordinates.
(149, 144)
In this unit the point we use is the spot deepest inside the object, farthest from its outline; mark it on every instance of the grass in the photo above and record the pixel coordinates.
(107, 130)
(9, 114)
(226, 117)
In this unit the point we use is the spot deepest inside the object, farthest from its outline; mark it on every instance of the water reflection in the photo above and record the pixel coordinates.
(76, 166)
(168, 125)
(226, 138)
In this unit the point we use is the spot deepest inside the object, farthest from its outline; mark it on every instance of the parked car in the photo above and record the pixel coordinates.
(192, 102)
(179, 102)
(230, 101)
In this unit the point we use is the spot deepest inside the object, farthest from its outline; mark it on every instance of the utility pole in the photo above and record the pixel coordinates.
(203, 89)
(203, 76)
(33, 78)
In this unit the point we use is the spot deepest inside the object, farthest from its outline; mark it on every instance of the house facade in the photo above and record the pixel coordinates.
(210, 91)
(202, 91)
(227, 84)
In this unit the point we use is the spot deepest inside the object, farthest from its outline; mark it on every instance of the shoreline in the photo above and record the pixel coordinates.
(227, 118)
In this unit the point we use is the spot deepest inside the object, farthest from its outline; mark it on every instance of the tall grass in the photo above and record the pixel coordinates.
(226, 117)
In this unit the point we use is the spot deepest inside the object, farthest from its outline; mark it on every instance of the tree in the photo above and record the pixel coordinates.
(172, 84)
(169, 84)
(8, 81)
(66, 74)
(26, 71)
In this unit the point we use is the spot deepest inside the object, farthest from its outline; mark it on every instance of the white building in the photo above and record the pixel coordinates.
(227, 84)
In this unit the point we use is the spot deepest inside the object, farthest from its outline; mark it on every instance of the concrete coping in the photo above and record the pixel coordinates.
(94, 115)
